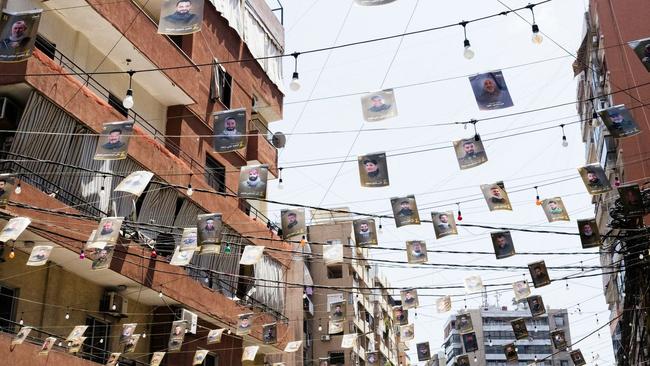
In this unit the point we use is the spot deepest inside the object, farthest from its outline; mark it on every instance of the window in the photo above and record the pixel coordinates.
(116, 103)
(8, 304)
(96, 346)
(215, 174)
(337, 358)
(559, 320)
(211, 360)
(564, 363)
(335, 271)
(220, 85)
(184, 42)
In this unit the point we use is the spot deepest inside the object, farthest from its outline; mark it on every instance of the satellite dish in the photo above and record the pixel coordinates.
(279, 140)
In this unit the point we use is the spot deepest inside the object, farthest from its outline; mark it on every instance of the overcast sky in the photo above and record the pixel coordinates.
(538, 76)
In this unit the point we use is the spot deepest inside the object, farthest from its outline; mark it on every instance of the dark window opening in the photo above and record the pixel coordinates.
(245, 282)
(220, 85)
(184, 42)
(116, 103)
(95, 347)
(337, 358)
(215, 174)
(8, 304)
(211, 360)
(335, 271)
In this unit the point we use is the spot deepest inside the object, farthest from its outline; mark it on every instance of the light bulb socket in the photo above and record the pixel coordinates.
(295, 76)
(466, 43)
(535, 28)
(129, 92)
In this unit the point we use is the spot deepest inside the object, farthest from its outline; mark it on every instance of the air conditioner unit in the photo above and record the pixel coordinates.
(114, 304)
(325, 338)
(191, 319)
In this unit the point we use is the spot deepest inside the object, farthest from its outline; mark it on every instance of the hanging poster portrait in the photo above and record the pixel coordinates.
(470, 153)
(400, 315)
(113, 358)
(559, 339)
(462, 360)
(496, 196)
(13, 228)
(252, 255)
(293, 223)
(6, 187)
(102, 258)
(177, 335)
(131, 343)
(244, 323)
(18, 34)
(405, 211)
(407, 332)
(209, 228)
(178, 17)
(348, 340)
(335, 328)
(77, 332)
(91, 244)
(619, 121)
(108, 230)
(519, 328)
(188, 239)
(373, 3)
(373, 170)
(252, 181)
(443, 304)
(293, 346)
(214, 336)
(424, 351)
(20, 337)
(181, 257)
(75, 345)
(337, 311)
(473, 284)
(114, 140)
(470, 342)
(39, 255)
(135, 183)
(555, 210)
(631, 199)
(464, 322)
(536, 305)
(589, 233)
(379, 105)
(595, 179)
(47, 345)
(365, 232)
(127, 331)
(577, 358)
(511, 352)
(409, 298)
(199, 356)
(502, 243)
(372, 358)
(521, 289)
(249, 353)
(157, 358)
(416, 251)
(539, 274)
(490, 91)
(444, 224)
(270, 333)
(230, 130)
(641, 48)
(333, 252)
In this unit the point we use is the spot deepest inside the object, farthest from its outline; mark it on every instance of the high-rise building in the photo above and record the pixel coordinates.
(612, 74)
(493, 330)
(53, 106)
(361, 287)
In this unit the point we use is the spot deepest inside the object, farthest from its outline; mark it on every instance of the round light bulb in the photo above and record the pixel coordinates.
(144, 335)
(295, 82)
(565, 143)
(160, 294)
(280, 184)
(537, 37)
(18, 189)
(67, 316)
(21, 322)
(101, 340)
(468, 53)
(320, 328)
(189, 191)
(128, 102)
(641, 256)
(12, 254)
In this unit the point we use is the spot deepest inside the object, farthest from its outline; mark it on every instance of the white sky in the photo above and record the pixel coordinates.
(434, 176)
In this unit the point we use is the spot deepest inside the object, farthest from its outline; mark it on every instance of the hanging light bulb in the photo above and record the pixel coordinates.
(160, 294)
(467, 51)
(303, 241)
(537, 37)
(475, 358)
(320, 328)
(21, 322)
(144, 335)
(82, 255)
(280, 185)
(12, 254)
(128, 102)
(227, 249)
(189, 191)
(381, 231)
(18, 189)
(617, 182)
(67, 316)
(565, 143)
(490, 341)
(538, 202)
(460, 215)
(101, 340)
(295, 79)
(154, 254)
(567, 285)
(595, 121)
(641, 256)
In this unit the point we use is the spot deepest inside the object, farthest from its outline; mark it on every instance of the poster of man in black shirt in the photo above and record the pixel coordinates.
(209, 227)
(365, 232)
(539, 274)
(379, 105)
(405, 211)
(470, 153)
(496, 196)
(114, 141)
(503, 246)
(589, 234)
(229, 130)
(18, 34)
(595, 179)
(293, 223)
(178, 17)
